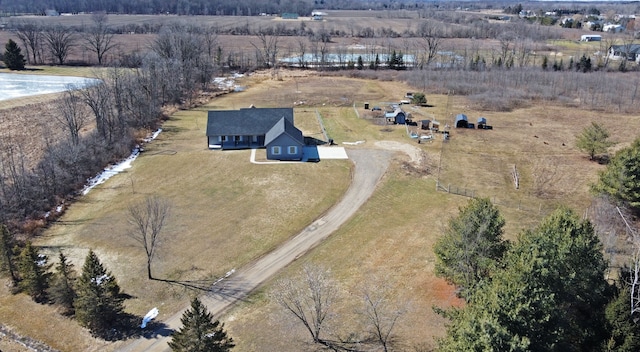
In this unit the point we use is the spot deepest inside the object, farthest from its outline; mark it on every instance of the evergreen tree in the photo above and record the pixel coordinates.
(620, 179)
(391, 60)
(545, 62)
(624, 332)
(471, 246)
(399, 62)
(549, 295)
(7, 255)
(360, 64)
(99, 303)
(34, 278)
(199, 333)
(13, 57)
(594, 140)
(63, 287)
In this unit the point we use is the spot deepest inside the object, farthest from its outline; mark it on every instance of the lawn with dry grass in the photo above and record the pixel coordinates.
(228, 212)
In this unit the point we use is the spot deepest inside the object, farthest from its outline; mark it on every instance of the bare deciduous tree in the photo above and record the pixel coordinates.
(267, 50)
(432, 38)
(148, 218)
(30, 35)
(60, 41)
(309, 298)
(99, 38)
(71, 116)
(380, 311)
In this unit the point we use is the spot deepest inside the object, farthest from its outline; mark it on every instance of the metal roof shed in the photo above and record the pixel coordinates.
(461, 121)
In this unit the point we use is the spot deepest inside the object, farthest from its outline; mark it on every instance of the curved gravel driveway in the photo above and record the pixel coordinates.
(370, 166)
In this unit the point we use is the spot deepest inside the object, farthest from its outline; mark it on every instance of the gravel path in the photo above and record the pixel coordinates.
(370, 166)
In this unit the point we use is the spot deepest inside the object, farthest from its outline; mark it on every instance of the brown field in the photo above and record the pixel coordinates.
(228, 212)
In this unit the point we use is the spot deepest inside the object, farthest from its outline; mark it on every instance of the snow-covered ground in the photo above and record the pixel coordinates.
(113, 170)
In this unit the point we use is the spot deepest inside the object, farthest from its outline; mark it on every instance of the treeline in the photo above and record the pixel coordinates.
(125, 102)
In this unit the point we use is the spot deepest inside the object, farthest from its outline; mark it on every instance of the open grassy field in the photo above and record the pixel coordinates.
(228, 212)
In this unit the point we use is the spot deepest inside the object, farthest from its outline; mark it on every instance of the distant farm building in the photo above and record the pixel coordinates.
(590, 38)
(461, 121)
(481, 122)
(425, 124)
(397, 116)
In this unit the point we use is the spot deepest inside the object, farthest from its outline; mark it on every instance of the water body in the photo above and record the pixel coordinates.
(14, 85)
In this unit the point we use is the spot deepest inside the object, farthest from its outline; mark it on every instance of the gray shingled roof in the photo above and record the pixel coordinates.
(245, 122)
(633, 48)
(280, 127)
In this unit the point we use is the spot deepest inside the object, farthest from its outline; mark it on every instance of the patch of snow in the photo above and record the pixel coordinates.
(100, 279)
(42, 260)
(148, 317)
(113, 170)
(59, 209)
(228, 83)
(353, 143)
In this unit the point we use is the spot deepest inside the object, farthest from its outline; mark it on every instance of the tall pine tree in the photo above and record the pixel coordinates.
(34, 278)
(13, 57)
(199, 333)
(62, 290)
(7, 255)
(99, 303)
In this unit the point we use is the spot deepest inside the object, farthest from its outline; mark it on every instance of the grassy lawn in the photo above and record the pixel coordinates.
(227, 212)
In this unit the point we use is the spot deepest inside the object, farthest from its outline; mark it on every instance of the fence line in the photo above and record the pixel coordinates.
(471, 193)
(324, 130)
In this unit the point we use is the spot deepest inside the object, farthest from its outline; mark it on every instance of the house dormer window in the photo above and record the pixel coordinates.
(293, 149)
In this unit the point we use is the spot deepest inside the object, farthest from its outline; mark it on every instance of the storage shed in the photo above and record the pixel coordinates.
(461, 121)
(424, 124)
(481, 122)
(397, 116)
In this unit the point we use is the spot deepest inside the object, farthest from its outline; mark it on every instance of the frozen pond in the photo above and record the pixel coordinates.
(13, 85)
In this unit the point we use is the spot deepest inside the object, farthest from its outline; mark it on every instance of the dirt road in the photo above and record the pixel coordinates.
(370, 166)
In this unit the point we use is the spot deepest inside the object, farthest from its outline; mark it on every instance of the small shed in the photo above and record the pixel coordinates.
(435, 126)
(397, 116)
(461, 121)
(424, 124)
(481, 123)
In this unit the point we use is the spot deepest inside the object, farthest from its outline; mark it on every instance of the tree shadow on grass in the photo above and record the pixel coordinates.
(128, 327)
(228, 289)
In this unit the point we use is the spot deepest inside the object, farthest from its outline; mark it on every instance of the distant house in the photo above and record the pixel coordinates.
(613, 28)
(631, 52)
(270, 128)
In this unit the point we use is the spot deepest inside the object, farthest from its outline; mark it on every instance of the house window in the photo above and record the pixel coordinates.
(293, 149)
(238, 138)
(223, 138)
(275, 150)
(255, 138)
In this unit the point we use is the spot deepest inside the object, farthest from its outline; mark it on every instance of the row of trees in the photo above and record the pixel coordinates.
(94, 298)
(125, 101)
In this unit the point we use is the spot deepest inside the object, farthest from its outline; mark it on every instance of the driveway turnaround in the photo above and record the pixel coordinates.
(370, 166)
